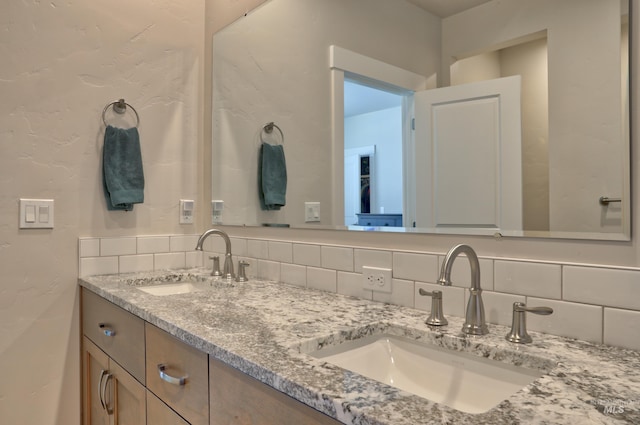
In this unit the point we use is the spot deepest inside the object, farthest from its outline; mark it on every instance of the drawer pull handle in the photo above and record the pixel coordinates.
(168, 378)
(108, 331)
(102, 374)
(105, 376)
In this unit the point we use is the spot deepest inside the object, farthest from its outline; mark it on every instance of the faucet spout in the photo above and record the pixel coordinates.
(227, 272)
(474, 323)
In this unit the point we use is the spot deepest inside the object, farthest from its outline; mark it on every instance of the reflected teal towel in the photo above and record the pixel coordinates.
(123, 176)
(272, 177)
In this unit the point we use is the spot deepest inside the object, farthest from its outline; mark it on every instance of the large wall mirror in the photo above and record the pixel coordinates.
(491, 117)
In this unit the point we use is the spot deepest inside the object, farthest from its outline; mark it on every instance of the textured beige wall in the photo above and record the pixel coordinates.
(62, 62)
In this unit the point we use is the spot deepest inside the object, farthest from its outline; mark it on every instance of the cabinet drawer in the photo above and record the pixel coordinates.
(159, 413)
(178, 374)
(238, 399)
(117, 332)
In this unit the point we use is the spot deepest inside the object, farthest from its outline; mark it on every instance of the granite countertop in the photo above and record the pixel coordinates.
(265, 328)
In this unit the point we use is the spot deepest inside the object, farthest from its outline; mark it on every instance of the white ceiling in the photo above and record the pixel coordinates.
(359, 99)
(444, 8)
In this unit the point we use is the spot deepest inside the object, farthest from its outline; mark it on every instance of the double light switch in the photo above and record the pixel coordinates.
(36, 213)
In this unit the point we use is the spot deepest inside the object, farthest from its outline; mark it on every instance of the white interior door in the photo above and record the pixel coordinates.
(468, 157)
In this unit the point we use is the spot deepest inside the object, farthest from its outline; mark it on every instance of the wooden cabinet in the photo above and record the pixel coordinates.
(159, 413)
(117, 332)
(178, 374)
(135, 374)
(238, 399)
(111, 395)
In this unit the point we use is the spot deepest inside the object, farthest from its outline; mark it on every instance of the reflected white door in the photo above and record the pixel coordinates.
(468, 158)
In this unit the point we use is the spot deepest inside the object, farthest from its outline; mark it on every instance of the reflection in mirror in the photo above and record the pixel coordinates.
(566, 144)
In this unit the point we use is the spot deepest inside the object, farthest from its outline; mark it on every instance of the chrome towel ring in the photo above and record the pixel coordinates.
(268, 129)
(119, 107)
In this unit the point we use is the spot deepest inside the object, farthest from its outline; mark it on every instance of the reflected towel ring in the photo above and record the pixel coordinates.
(120, 107)
(268, 128)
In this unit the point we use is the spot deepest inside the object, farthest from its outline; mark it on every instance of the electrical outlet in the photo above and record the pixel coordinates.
(376, 279)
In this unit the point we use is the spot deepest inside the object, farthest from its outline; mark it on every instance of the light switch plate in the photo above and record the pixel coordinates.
(187, 209)
(311, 212)
(36, 213)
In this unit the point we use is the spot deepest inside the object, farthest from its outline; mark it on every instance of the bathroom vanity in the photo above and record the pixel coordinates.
(222, 353)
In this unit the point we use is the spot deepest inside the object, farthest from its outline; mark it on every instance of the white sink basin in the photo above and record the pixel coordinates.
(459, 380)
(170, 288)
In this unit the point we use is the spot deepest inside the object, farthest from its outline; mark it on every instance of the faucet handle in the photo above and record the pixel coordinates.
(436, 318)
(242, 276)
(215, 271)
(518, 333)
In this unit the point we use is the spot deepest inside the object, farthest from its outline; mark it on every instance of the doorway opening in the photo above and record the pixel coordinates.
(373, 154)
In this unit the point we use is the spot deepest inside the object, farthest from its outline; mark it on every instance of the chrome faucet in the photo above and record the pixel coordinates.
(474, 323)
(227, 272)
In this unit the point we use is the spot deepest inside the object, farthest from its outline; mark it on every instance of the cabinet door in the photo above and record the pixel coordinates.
(238, 399)
(159, 413)
(95, 369)
(128, 395)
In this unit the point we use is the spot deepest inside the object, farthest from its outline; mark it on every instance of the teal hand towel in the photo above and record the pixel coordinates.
(272, 177)
(123, 176)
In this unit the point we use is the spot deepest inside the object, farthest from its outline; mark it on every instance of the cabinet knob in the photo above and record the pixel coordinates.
(107, 330)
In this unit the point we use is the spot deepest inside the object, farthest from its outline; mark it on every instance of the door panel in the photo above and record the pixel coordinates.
(95, 361)
(468, 158)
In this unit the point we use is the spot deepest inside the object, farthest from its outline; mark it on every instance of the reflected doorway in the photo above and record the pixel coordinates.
(373, 153)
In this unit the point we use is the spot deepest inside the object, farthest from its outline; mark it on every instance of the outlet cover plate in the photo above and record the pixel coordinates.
(376, 279)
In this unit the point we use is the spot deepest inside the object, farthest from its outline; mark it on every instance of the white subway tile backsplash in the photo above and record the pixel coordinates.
(306, 255)
(372, 258)
(184, 243)
(421, 267)
(322, 279)
(498, 307)
(452, 299)
(281, 251)
(593, 285)
(403, 293)
(350, 284)
(136, 263)
(258, 249)
(598, 304)
(168, 261)
(89, 247)
(534, 279)
(580, 321)
(153, 244)
(238, 247)
(117, 246)
(269, 270)
(337, 258)
(92, 266)
(293, 274)
(622, 328)
(194, 259)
